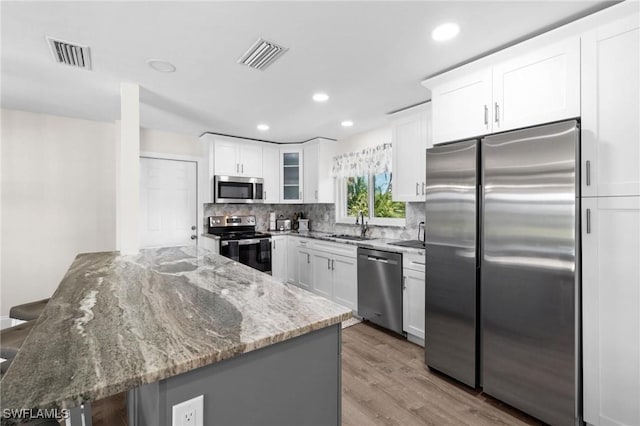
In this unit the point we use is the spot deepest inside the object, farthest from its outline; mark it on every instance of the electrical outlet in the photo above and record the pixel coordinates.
(189, 413)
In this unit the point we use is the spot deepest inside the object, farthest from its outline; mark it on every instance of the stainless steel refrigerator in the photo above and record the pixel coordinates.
(502, 262)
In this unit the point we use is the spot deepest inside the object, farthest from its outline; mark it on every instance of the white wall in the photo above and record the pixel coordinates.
(364, 140)
(170, 143)
(58, 199)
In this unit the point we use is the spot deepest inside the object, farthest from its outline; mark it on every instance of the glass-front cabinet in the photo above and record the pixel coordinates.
(291, 184)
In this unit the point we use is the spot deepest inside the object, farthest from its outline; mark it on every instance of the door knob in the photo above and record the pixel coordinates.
(193, 237)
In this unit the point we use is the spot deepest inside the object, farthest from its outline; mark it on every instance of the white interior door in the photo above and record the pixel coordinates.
(168, 203)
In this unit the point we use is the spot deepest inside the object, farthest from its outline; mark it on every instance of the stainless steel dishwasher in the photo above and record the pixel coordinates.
(380, 288)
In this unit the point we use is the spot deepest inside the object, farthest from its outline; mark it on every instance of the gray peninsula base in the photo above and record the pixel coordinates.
(295, 382)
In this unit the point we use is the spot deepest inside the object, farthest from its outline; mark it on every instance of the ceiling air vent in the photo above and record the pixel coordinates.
(262, 54)
(70, 54)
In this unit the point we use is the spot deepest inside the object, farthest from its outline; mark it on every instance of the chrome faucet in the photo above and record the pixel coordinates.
(364, 227)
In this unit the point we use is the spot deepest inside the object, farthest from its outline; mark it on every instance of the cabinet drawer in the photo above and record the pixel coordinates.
(336, 248)
(413, 262)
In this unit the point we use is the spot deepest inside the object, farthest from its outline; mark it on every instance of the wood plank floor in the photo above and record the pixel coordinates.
(385, 382)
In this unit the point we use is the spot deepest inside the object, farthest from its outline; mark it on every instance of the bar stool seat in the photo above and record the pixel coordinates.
(28, 311)
(11, 338)
(4, 366)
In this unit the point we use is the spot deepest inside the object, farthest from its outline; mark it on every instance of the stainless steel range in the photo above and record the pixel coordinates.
(240, 241)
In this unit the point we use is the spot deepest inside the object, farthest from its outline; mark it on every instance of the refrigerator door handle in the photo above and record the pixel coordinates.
(588, 221)
(588, 173)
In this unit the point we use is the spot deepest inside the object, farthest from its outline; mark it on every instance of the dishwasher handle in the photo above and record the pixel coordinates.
(378, 259)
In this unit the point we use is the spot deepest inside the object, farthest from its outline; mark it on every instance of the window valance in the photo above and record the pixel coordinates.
(374, 160)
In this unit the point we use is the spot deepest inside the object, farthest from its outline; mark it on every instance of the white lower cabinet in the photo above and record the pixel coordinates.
(303, 263)
(345, 281)
(292, 260)
(413, 298)
(323, 274)
(305, 268)
(279, 257)
(210, 244)
(325, 268)
(611, 310)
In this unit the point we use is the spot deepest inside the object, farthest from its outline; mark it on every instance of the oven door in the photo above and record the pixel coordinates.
(235, 189)
(255, 253)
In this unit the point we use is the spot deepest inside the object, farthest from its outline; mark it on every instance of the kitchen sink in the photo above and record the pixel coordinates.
(351, 237)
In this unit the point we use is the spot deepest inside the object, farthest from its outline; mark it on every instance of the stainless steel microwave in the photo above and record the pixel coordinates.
(238, 189)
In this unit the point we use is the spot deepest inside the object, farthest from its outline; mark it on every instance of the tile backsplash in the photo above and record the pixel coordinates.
(322, 218)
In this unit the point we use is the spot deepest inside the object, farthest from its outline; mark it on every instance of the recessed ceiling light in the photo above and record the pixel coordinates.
(347, 123)
(263, 127)
(320, 97)
(161, 66)
(445, 31)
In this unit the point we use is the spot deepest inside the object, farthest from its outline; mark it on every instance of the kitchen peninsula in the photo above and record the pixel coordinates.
(170, 324)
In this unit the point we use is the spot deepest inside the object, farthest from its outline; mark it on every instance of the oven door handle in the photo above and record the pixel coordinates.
(244, 242)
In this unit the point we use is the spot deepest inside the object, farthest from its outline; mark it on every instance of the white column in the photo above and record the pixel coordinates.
(128, 187)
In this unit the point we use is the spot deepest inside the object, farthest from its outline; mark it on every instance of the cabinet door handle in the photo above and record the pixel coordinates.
(274, 244)
(316, 195)
(423, 185)
(332, 265)
(241, 168)
(300, 195)
(588, 173)
(417, 188)
(308, 258)
(329, 264)
(264, 194)
(497, 113)
(486, 115)
(404, 282)
(588, 221)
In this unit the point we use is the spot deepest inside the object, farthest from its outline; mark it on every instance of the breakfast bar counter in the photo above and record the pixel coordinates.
(154, 322)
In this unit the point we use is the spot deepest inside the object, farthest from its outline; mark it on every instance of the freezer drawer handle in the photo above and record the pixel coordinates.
(588, 221)
(588, 173)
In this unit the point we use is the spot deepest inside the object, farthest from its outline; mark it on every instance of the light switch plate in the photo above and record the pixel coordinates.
(189, 413)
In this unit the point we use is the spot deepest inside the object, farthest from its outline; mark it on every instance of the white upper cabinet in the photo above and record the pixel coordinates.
(250, 158)
(226, 158)
(410, 137)
(291, 178)
(237, 157)
(271, 173)
(318, 182)
(611, 310)
(538, 87)
(611, 109)
(462, 108)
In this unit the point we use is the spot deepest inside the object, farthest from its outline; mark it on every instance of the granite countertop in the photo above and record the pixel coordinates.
(117, 322)
(375, 243)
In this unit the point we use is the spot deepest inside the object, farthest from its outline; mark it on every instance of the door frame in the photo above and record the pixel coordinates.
(201, 180)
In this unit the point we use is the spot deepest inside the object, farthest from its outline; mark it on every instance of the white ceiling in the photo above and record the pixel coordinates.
(368, 56)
